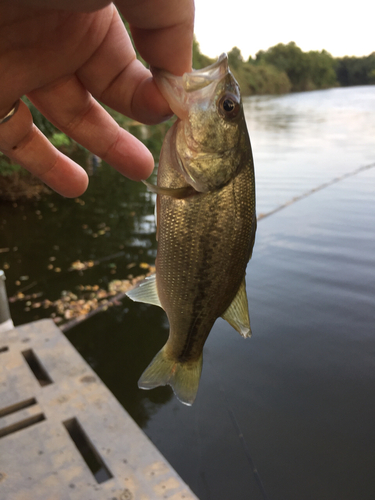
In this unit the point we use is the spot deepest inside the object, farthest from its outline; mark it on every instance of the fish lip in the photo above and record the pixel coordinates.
(200, 78)
(176, 89)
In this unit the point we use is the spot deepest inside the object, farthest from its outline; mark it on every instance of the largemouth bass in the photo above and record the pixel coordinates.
(206, 222)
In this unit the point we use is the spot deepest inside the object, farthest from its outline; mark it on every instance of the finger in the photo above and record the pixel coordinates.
(26, 145)
(69, 106)
(115, 77)
(164, 36)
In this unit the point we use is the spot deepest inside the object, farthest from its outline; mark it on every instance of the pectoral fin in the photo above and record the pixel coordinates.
(145, 291)
(237, 313)
(178, 193)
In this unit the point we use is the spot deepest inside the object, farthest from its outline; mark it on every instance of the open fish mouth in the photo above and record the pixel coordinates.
(177, 89)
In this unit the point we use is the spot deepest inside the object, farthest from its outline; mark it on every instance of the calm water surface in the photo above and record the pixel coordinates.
(298, 399)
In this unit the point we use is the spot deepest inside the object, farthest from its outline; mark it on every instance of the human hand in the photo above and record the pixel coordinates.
(65, 54)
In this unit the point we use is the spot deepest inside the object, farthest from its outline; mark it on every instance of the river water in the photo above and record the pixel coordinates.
(296, 402)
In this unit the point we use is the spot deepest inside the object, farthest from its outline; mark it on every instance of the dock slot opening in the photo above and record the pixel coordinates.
(23, 424)
(88, 451)
(4, 349)
(17, 407)
(37, 368)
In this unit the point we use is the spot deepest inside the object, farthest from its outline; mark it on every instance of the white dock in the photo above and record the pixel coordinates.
(63, 435)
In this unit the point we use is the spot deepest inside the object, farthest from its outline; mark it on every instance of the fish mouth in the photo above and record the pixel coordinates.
(177, 89)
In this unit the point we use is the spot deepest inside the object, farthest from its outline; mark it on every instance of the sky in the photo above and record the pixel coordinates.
(341, 28)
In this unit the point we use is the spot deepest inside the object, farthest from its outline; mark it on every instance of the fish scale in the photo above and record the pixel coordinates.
(206, 223)
(205, 239)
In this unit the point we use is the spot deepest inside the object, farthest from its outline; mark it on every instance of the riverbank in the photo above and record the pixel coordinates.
(286, 68)
(281, 69)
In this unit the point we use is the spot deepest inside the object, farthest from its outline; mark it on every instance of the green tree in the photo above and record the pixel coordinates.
(288, 58)
(355, 70)
(305, 70)
(261, 79)
(235, 58)
(322, 72)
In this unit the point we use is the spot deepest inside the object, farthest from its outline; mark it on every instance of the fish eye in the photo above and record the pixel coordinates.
(229, 106)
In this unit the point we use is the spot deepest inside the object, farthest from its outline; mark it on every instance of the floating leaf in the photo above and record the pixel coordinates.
(77, 266)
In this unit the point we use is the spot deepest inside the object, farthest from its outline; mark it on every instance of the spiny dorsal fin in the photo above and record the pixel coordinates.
(237, 313)
(145, 291)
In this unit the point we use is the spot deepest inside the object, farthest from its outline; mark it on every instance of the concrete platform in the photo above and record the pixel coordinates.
(63, 435)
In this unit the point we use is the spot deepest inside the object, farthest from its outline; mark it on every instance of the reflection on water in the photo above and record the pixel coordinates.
(296, 399)
(306, 139)
(112, 225)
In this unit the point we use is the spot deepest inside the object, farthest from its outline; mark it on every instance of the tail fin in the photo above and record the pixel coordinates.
(182, 377)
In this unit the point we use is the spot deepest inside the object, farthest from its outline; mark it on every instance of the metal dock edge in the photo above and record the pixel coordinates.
(63, 435)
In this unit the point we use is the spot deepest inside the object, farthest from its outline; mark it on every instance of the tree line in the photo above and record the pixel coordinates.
(286, 68)
(280, 69)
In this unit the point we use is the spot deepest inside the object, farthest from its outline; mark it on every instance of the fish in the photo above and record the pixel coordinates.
(205, 222)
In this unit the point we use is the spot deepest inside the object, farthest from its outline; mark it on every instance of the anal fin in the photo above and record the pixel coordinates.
(237, 313)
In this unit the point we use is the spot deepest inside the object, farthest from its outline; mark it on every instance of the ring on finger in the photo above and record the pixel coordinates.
(11, 113)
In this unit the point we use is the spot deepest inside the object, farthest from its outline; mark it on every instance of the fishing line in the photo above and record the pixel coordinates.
(245, 447)
(241, 438)
(232, 415)
(314, 190)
